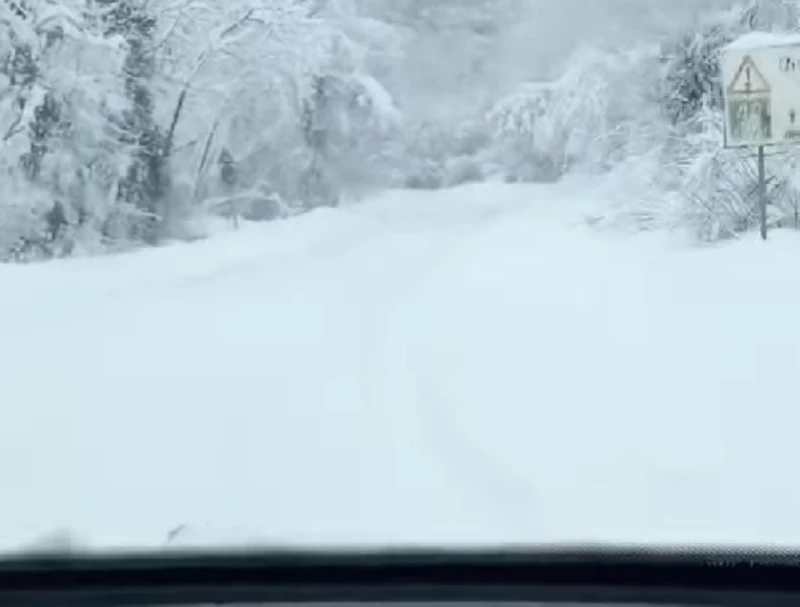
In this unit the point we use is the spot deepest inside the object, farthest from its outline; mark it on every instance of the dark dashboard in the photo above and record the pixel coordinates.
(369, 578)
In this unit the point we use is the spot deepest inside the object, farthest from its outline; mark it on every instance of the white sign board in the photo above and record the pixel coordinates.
(761, 85)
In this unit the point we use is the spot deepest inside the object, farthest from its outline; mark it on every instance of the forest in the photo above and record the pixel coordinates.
(135, 123)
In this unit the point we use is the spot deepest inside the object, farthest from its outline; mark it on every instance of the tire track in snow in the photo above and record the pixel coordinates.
(504, 497)
(490, 481)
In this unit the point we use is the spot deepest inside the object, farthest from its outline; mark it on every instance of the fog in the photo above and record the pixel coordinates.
(439, 78)
(553, 28)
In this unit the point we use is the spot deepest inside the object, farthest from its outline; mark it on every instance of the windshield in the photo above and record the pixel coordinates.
(395, 272)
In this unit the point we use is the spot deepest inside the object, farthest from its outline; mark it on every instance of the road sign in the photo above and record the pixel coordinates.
(761, 84)
(748, 79)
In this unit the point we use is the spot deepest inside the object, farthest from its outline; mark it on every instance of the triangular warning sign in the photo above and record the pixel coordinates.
(748, 79)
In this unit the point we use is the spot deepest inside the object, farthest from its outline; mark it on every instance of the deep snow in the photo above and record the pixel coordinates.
(463, 366)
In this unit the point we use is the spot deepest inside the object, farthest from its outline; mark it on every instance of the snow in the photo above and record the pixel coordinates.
(757, 40)
(376, 96)
(463, 366)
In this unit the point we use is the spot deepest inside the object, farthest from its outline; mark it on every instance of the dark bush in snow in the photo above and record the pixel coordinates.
(427, 175)
(692, 77)
(444, 154)
(463, 169)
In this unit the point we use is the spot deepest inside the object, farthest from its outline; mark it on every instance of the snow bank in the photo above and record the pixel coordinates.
(466, 366)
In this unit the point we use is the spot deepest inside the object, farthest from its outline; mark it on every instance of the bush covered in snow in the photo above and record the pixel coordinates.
(597, 113)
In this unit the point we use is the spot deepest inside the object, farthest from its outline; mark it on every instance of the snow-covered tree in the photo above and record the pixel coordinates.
(596, 114)
(285, 91)
(144, 186)
(59, 76)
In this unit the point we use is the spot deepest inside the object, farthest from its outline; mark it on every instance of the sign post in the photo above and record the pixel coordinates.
(762, 194)
(761, 78)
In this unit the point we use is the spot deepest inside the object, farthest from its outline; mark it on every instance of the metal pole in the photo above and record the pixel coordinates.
(762, 193)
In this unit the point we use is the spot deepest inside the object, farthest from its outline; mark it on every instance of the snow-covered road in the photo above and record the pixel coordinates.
(459, 366)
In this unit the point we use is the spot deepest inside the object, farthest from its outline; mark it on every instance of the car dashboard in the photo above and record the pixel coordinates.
(404, 578)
